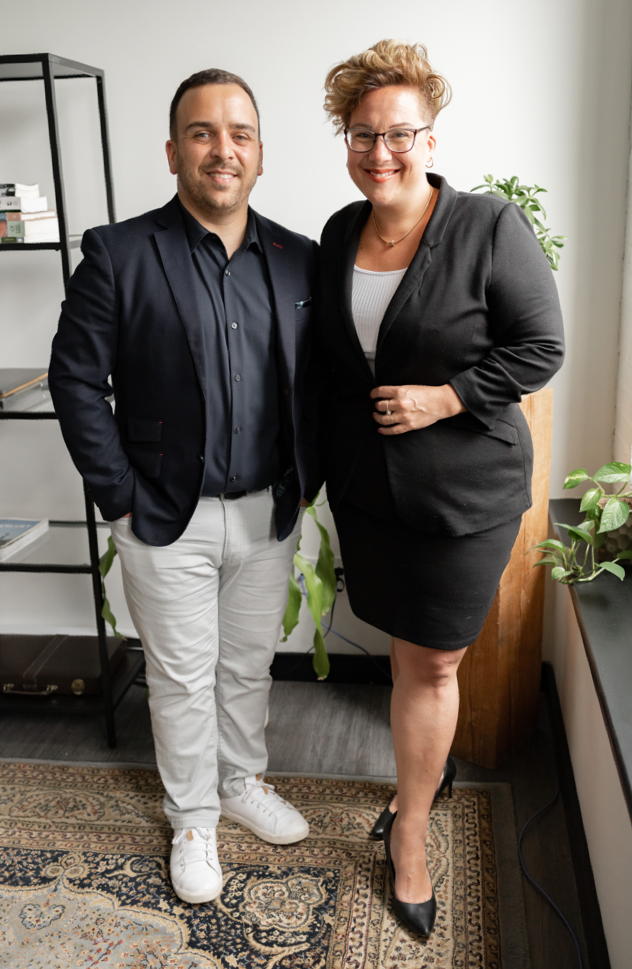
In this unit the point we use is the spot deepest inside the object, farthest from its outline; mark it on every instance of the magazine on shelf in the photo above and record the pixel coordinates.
(19, 188)
(16, 533)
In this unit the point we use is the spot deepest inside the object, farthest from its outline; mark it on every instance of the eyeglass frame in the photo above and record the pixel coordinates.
(382, 135)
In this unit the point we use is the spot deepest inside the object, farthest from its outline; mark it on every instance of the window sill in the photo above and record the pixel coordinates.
(603, 609)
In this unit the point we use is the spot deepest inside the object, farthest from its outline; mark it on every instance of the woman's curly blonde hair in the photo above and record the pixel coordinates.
(387, 62)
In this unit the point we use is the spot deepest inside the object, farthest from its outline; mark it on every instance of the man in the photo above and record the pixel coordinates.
(199, 312)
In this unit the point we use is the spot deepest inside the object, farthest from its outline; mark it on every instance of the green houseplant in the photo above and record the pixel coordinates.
(317, 584)
(528, 198)
(602, 540)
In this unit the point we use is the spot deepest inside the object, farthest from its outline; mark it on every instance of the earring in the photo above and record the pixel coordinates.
(430, 163)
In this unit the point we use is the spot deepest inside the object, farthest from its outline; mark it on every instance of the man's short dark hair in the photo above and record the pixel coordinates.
(213, 75)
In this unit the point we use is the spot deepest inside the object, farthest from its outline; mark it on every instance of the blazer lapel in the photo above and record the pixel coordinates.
(414, 276)
(349, 249)
(283, 285)
(172, 245)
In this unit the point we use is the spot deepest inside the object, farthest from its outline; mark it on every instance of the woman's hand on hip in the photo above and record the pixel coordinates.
(410, 407)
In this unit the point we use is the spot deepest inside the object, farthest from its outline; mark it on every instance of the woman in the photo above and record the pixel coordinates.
(438, 311)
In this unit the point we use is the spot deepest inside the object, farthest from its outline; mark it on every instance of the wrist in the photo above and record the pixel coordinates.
(451, 401)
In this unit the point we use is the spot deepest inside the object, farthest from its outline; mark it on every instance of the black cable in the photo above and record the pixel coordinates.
(527, 874)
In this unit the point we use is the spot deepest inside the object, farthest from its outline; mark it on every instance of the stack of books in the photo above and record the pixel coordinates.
(23, 389)
(25, 216)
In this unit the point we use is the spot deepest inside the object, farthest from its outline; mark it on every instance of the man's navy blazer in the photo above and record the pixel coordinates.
(131, 317)
(477, 308)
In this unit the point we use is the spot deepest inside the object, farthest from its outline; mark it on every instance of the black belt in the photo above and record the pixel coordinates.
(231, 495)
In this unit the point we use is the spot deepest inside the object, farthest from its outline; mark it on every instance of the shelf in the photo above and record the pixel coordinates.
(30, 67)
(67, 547)
(128, 670)
(62, 548)
(40, 411)
(74, 242)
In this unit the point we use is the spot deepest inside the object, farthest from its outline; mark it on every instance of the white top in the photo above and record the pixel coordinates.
(371, 293)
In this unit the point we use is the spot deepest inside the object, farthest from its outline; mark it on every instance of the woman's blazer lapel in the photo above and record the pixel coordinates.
(413, 278)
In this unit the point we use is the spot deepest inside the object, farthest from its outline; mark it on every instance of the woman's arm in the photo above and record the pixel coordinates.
(525, 321)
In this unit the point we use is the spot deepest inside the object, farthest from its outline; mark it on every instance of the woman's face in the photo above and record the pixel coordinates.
(389, 178)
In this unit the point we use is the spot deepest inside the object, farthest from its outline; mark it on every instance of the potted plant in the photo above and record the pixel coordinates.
(527, 197)
(604, 537)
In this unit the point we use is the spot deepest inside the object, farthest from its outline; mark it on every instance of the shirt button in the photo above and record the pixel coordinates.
(227, 272)
(236, 429)
(237, 377)
(234, 326)
(234, 477)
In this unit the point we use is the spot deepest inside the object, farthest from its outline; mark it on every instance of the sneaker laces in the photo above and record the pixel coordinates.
(257, 790)
(199, 844)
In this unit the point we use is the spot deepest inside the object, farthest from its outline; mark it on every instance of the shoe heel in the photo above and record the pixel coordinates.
(449, 774)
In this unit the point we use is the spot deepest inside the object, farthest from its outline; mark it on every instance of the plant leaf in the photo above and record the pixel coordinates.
(576, 477)
(616, 513)
(612, 567)
(626, 555)
(553, 543)
(105, 562)
(548, 560)
(320, 661)
(291, 614)
(559, 573)
(581, 534)
(108, 615)
(590, 499)
(313, 586)
(325, 565)
(613, 472)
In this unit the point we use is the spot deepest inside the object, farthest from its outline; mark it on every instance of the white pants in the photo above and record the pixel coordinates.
(208, 611)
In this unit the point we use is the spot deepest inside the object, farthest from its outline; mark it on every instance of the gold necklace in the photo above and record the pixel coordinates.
(393, 242)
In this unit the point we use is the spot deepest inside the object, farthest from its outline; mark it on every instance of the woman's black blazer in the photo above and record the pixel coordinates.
(477, 308)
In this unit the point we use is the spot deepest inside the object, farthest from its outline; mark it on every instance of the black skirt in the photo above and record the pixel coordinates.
(431, 590)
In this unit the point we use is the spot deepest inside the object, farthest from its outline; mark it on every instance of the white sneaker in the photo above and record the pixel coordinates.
(270, 817)
(195, 872)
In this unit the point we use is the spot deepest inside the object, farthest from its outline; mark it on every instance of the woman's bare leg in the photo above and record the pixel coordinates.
(424, 709)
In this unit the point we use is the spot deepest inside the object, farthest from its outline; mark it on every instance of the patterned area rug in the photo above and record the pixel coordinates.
(84, 881)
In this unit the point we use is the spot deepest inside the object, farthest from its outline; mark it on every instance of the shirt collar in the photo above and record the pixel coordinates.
(196, 232)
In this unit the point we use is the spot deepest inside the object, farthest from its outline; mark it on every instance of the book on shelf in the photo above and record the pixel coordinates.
(22, 388)
(19, 188)
(16, 533)
(23, 203)
(29, 227)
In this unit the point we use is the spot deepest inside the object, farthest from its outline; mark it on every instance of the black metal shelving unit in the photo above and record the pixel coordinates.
(68, 547)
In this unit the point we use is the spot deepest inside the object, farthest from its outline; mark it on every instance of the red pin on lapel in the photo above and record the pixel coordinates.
(278, 245)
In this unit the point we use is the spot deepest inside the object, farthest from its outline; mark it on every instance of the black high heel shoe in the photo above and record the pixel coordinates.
(419, 917)
(447, 780)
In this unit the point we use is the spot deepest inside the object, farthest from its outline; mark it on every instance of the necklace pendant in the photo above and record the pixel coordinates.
(390, 244)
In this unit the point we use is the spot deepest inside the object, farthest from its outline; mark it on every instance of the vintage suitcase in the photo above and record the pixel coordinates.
(45, 665)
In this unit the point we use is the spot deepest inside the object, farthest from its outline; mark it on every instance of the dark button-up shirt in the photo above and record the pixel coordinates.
(242, 401)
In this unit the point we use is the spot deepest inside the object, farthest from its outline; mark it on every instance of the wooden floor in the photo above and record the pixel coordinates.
(328, 728)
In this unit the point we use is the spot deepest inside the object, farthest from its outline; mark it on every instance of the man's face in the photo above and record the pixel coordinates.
(216, 152)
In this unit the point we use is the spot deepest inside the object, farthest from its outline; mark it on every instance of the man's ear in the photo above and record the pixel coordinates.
(260, 169)
(172, 156)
